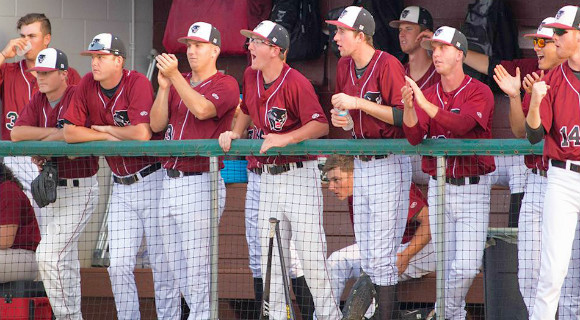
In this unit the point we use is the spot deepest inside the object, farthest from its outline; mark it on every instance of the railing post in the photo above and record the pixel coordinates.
(440, 249)
(214, 226)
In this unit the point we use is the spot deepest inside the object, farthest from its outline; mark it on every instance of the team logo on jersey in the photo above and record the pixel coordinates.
(169, 132)
(374, 97)
(60, 123)
(194, 28)
(413, 204)
(455, 110)
(41, 58)
(121, 118)
(437, 32)
(255, 133)
(404, 14)
(277, 118)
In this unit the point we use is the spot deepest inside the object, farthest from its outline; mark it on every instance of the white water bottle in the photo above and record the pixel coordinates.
(22, 52)
(345, 113)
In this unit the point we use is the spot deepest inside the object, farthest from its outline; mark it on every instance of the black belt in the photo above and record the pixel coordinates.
(68, 182)
(134, 178)
(562, 165)
(172, 173)
(542, 173)
(281, 168)
(257, 171)
(370, 158)
(460, 181)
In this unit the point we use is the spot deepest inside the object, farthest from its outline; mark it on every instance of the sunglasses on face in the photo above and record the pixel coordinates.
(560, 32)
(541, 42)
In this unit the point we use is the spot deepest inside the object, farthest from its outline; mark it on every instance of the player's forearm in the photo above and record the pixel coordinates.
(27, 133)
(242, 122)
(411, 126)
(383, 113)
(159, 115)
(533, 118)
(517, 117)
(477, 61)
(311, 130)
(7, 235)
(58, 135)
(77, 134)
(419, 241)
(140, 132)
(201, 108)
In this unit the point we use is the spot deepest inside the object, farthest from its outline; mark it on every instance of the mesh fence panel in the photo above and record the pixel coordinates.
(142, 246)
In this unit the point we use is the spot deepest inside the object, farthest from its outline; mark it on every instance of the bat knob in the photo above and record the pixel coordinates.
(274, 220)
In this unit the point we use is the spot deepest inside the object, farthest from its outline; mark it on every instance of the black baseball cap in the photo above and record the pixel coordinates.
(203, 32)
(414, 14)
(270, 31)
(357, 19)
(106, 43)
(50, 59)
(449, 36)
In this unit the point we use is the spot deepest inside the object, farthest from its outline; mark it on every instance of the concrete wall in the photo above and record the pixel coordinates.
(74, 24)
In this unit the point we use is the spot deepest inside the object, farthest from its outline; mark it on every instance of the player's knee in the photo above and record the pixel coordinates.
(119, 268)
(466, 271)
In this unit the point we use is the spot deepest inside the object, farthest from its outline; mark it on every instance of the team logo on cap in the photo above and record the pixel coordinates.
(259, 25)
(194, 28)
(541, 26)
(95, 41)
(343, 13)
(559, 14)
(277, 118)
(405, 13)
(437, 32)
(41, 58)
(121, 118)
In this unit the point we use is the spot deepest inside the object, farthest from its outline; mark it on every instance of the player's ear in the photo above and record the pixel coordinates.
(46, 39)
(216, 52)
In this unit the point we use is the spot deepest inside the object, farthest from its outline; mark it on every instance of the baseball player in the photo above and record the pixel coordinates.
(113, 104)
(252, 205)
(368, 85)
(529, 231)
(197, 105)
(18, 86)
(416, 256)
(282, 103)
(19, 233)
(63, 221)
(553, 115)
(458, 107)
(415, 24)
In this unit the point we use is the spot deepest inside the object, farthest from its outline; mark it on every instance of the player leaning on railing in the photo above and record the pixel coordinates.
(113, 104)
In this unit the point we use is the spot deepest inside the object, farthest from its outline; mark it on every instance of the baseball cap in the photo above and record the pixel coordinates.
(543, 31)
(50, 59)
(416, 15)
(106, 43)
(203, 32)
(449, 36)
(567, 18)
(357, 19)
(270, 31)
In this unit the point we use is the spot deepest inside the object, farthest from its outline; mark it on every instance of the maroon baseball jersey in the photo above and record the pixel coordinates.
(17, 88)
(289, 103)
(473, 99)
(16, 209)
(532, 161)
(130, 105)
(526, 65)
(223, 91)
(429, 78)
(560, 115)
(416, 203)
(381, 83)
(39, 113)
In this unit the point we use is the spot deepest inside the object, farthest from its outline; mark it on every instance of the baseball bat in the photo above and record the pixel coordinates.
(289, 309)
(265, 310)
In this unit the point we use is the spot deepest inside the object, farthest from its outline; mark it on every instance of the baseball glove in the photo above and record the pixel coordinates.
(44, 186)
(359, 299)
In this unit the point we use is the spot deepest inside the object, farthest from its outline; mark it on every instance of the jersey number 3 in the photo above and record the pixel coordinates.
(12, 117)
(572, 136)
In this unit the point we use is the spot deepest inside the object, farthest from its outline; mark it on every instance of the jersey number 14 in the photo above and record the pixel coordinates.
(572, 136)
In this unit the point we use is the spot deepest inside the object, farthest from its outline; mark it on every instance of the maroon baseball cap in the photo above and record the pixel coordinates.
(50, 59)
(357, 19)
(203, 32)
